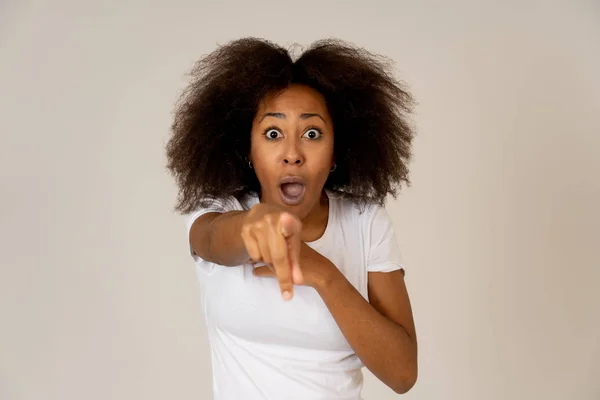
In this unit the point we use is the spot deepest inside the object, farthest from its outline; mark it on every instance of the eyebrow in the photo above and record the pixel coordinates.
(302, 116)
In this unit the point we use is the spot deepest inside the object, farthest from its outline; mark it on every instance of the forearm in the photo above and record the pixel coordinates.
(385, 347)
(218, 239)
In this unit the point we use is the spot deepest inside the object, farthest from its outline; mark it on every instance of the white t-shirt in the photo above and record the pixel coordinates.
(264, 348)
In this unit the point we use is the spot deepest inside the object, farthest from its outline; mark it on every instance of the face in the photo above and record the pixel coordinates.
(292, 148)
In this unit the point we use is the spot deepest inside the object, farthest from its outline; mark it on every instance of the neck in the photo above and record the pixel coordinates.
(315, 223)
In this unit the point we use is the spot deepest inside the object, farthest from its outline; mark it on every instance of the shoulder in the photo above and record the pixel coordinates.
(362, 215)
(220, 205)
(373, 226)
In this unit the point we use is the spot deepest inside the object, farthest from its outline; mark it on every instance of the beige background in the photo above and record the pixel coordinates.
(500, 230)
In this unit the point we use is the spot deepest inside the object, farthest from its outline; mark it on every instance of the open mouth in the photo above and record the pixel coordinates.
(292, 190)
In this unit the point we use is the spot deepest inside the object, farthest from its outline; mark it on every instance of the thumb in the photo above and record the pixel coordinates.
(289, 225)
(263, 271)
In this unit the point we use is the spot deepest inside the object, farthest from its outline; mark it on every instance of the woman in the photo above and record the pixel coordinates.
(283, 168)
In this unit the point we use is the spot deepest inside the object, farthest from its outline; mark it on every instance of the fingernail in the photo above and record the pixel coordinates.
(287, 295)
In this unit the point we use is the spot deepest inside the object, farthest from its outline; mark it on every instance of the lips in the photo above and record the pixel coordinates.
(292, 190)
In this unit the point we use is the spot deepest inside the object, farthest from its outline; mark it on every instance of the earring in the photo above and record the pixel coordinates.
(333, 168)
(250, 164)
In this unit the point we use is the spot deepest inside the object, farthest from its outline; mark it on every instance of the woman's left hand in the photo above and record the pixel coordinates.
(316, 269)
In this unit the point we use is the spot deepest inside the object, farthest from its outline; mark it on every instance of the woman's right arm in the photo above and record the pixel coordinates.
(264, 233)
(216, 237)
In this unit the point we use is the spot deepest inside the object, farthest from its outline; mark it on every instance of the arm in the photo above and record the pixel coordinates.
(215, 237)
(264, 233)
(382, 333)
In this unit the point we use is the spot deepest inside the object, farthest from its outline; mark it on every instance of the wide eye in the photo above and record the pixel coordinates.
(273, 134)
(312, 133)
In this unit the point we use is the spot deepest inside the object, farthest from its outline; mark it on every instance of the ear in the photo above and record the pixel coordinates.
(248, 162)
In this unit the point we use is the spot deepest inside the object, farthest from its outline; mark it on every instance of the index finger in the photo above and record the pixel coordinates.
(280, 261)
(293, 244)
(291, 228)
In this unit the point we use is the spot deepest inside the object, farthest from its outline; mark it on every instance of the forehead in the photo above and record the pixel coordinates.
(295, 99)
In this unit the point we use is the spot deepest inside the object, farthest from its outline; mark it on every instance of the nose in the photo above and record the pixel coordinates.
(293, 160)
(293, 155)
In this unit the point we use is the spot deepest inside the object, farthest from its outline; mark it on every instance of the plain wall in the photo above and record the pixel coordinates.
(500, 228)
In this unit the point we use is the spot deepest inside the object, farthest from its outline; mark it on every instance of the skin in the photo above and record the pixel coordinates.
(292, 135)
(381, 331)
(303, 128)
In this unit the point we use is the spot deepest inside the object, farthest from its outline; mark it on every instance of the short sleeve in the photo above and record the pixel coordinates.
(384, 251)
(214, 205)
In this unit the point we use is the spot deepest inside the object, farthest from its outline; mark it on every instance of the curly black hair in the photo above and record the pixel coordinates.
(210, 139)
